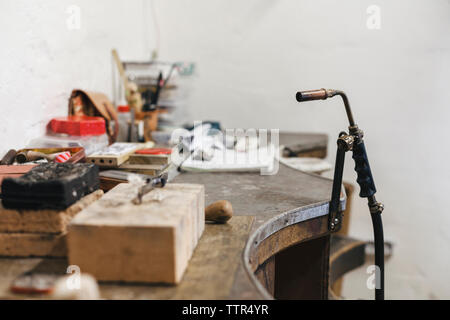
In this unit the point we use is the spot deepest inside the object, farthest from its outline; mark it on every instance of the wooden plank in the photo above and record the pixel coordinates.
(116, 154)
(150, 169)
(14, 171)
(107, 184)
(33, 245)
(151, 242)
(287, 237)
(43, 221)
(149, 159)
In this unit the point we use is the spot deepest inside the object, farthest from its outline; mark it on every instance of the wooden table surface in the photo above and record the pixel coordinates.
(270, 213)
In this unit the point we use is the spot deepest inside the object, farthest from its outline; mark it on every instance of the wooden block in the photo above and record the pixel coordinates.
(43, 221)
(115, 240)
(150, 169)
(33, 245)
(14, 171)
(149, 159)
(197, 189)
(116, 154)
(107, 184)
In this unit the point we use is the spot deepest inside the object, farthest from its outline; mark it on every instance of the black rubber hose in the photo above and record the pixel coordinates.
(379, 254)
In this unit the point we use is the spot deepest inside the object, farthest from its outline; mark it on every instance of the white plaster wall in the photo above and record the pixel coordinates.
(42, 60)
(252, 56)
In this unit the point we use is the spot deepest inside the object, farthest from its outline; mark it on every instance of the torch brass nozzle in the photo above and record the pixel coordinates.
(323, 94)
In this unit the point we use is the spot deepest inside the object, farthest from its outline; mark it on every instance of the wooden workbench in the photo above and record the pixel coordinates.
(276, 245)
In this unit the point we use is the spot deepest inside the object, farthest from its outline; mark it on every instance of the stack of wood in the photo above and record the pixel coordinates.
(132, 157)
(121, 160)
(38, 233)
(148, 161)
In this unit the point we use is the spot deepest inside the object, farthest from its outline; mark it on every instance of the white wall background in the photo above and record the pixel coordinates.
(252, 56)
(42, 59)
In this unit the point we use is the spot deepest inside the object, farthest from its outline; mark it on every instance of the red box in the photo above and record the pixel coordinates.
(78, 125)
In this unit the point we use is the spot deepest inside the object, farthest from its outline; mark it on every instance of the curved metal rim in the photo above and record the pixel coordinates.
(276, 224)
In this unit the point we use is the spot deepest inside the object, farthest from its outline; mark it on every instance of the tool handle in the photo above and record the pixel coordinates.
(9, 157)
(309, 95)
(160, 181)
(28, 156)
(219, 212)
(362, 168)
(152, 183)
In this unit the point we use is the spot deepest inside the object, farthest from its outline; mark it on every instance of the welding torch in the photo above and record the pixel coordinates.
(353, 141)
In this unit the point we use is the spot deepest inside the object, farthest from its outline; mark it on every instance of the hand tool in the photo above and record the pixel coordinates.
(131, 136)
(76, 154)
(219, 212)
(28, 156)
(353, 141)
(159, 85)
(152, 97)
(9, 157)
(158, 182)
